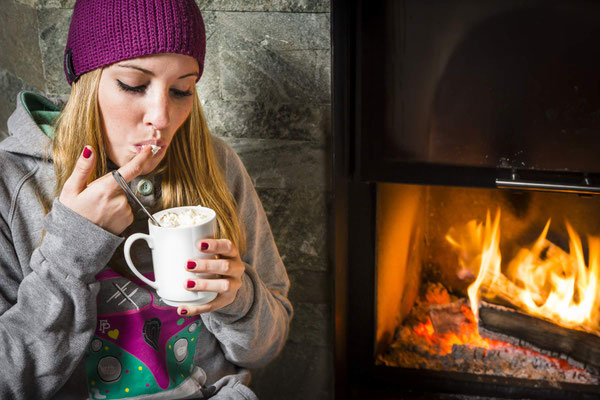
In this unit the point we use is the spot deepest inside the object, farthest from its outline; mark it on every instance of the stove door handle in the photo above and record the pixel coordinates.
(546, 187)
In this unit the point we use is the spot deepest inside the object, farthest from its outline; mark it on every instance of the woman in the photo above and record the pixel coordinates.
(73, 322)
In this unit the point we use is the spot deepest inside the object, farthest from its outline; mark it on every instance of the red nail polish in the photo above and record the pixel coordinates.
(191, 284)
(191, 265)
(204, 246)
(87, 152)
(183, 312)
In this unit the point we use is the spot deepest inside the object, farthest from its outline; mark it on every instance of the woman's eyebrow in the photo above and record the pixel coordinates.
(152, 73)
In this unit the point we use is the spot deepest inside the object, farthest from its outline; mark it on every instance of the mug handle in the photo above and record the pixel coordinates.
(128, 243)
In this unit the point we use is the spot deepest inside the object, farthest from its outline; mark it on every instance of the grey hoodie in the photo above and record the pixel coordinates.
(72, 327)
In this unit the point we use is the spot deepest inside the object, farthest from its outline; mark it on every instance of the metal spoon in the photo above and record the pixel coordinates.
(121, 181)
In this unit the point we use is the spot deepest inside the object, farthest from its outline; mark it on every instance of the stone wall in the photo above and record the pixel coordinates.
(266, 90)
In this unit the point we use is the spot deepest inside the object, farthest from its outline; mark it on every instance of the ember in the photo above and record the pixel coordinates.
(467, 334)
(445, 337)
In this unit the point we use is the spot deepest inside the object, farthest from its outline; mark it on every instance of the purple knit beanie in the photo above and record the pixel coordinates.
(103, 32)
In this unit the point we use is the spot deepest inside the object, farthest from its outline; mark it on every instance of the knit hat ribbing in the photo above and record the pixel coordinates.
(103, 32)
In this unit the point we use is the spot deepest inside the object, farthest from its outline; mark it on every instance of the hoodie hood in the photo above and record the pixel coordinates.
(29, 127)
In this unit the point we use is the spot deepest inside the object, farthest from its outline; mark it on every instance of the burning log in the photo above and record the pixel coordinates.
(578, 348)
(441, 334)
(498, 286)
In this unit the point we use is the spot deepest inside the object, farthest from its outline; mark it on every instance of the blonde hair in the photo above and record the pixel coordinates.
(190, 171)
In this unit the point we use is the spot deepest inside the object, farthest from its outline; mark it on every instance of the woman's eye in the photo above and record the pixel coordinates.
(140, 89)
(134, 89)
(181, 93)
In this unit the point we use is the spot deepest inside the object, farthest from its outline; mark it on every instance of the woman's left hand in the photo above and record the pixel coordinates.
(227, 264)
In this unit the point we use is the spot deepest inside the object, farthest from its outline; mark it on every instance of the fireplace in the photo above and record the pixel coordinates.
(466, 216)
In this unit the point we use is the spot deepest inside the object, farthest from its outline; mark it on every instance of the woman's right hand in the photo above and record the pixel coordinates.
(102, 202)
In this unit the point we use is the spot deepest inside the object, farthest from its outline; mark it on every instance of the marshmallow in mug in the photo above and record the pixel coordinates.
(155, 148)
(189, 217)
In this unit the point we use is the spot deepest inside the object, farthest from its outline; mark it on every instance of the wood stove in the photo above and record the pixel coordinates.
(466, 138)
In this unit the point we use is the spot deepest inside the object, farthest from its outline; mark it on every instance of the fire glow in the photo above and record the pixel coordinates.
(542, 280)
(468, 334)
(444, 343)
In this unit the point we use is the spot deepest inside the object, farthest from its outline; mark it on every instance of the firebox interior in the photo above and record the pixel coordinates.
(414, 252)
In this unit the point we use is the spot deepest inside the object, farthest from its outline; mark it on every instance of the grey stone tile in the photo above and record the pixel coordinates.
(209, 86)
(210, 23)
(310, 287)
(299, 221)
(30, 3)
(301, 372)
(298, 76)
(10, 86)
(54, 28)
(273, 31)
(310, 122)
(318, 6)
(282, 163)
(311, 324)
(313, 6)
(48, 3)
(5, 111)
(19, 45)
(323, 74)
(56, 3)
(300, 6)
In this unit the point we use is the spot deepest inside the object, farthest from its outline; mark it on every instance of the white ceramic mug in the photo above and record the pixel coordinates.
(171, 249)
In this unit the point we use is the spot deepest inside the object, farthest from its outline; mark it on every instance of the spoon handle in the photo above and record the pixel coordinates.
(121, 181)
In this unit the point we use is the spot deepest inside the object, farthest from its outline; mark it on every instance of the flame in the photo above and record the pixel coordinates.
(542, 280)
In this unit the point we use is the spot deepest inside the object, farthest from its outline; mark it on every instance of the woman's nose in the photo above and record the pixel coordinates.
(157, 111)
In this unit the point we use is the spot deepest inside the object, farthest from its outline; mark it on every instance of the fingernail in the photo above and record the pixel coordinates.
(191, 265)
(87, 152)
(204, 246)
(191, 284)
(183, 312)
